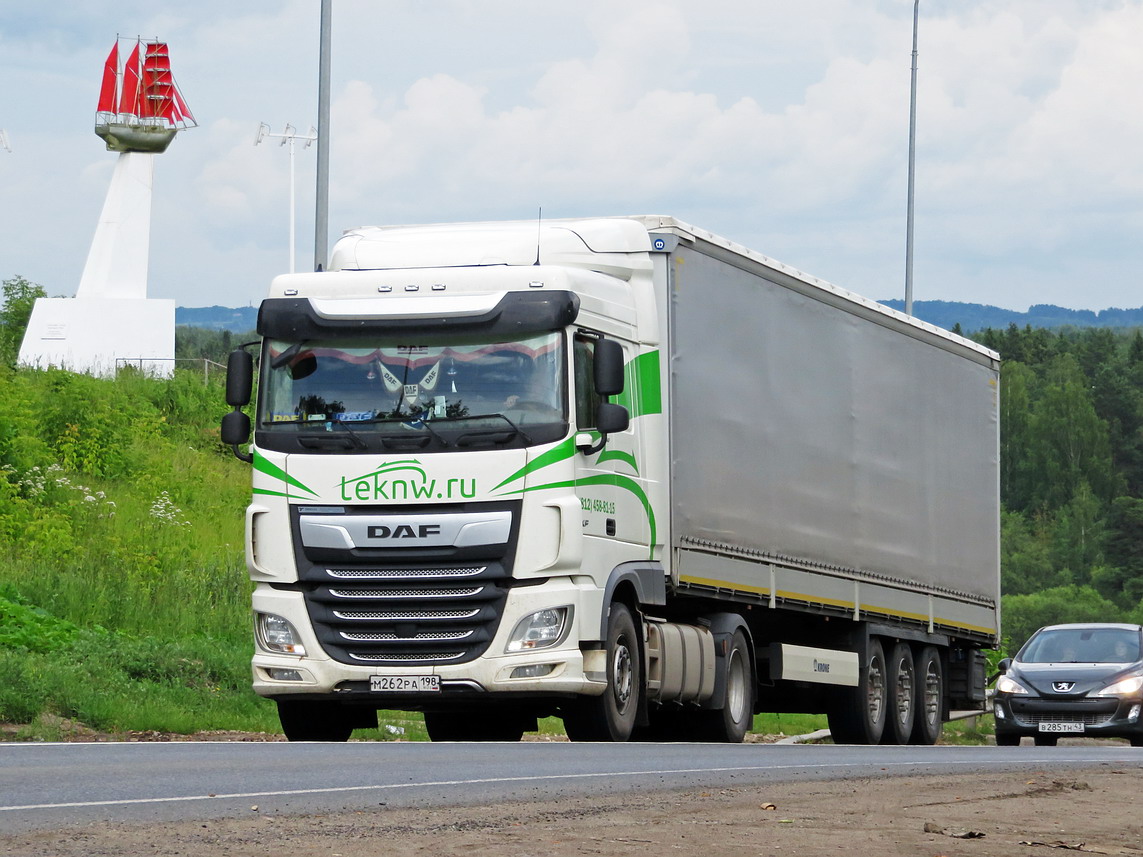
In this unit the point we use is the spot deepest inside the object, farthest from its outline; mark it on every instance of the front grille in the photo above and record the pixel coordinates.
(405, 615)
(1086, 718)
(416, 602)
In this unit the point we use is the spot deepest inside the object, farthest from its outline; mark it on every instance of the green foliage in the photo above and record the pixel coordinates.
(1071, 470)
(1023, 614)
(19, 298)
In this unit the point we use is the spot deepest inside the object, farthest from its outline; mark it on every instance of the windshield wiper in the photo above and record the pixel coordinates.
(515, 430)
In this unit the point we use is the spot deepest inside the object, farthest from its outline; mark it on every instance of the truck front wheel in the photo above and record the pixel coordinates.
(611, 716)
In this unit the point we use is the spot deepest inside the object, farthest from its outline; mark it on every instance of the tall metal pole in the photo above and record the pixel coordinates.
(912, 160)
(288, 137)
(321, 214)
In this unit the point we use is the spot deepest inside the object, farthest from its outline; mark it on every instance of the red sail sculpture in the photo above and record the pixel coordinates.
(140, 107)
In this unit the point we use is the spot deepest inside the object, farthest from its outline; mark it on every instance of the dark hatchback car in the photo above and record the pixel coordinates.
(1070, 680)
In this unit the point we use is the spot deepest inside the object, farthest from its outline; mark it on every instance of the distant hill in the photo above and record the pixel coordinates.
(238, 320)
(971, 317)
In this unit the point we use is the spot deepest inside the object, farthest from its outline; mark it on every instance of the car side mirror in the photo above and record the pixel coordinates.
(1004, 665)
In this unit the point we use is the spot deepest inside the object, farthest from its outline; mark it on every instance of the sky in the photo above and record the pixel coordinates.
(781, 125)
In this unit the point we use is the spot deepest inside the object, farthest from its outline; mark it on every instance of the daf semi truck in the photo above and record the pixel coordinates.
(620, 471)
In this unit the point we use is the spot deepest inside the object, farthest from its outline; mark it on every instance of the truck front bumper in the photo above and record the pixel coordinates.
(556, 671)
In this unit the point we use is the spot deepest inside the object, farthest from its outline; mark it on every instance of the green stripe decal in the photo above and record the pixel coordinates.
(624, 482)
(643, 389)
(264, 465)
(556, 454)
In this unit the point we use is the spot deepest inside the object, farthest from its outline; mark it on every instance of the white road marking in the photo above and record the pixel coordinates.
(494, 780)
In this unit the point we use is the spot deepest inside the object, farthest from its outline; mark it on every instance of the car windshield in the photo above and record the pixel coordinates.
(1082, 645)
(362, 387)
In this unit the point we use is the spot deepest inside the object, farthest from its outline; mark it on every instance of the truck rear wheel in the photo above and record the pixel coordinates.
(316, 721)
(859, 716)
(927, 711)
(730, 723)
(466, 726)
(901, 682)
(611, 716)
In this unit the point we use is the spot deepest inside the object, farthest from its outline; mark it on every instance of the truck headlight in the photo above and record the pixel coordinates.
(1126, 687)
(277, 635)
(1004, 684)
(540, 630)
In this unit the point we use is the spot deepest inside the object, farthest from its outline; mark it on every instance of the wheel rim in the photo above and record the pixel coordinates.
(876, 700)
(904, 700)
(622, 674)
(736, 686)
(932, 698)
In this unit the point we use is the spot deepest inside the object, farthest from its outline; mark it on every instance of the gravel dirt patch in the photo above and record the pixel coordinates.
(1038, 814)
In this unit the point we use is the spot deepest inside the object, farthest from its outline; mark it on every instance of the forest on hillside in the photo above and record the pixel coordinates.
(1071, 479)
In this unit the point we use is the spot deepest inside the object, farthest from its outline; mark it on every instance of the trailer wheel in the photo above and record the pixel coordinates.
(730, 723)
(466, 726)
(611, 716)
(901, 684)
(315, 721)
(859, 716)
(927, 710)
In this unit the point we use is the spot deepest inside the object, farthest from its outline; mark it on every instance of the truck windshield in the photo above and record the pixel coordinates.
(442, 394)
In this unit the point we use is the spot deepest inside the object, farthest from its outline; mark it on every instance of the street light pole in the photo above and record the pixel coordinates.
(321, 212)
(288, 137)
(912, 160)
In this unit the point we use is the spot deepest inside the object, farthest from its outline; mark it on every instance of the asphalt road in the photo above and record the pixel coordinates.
(54, 786)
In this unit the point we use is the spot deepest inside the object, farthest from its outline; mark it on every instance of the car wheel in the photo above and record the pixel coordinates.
(1007, 739)
(1046, 740)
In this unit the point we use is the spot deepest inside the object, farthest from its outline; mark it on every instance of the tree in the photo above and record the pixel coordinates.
(19, 298)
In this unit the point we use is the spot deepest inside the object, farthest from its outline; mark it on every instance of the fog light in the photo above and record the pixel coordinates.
(284, 675)
(277, 635)
(534, 671)
(540, 630)
(1133, 714)
(998, 711)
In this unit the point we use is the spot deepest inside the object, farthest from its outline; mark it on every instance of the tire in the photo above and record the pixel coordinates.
(729, 724)
(859, 716)
(1137, 740)
(611, 716)
(901, 688)
(315, 721)
(928, 704)
(466, 726)
(1045, 740)
(1007, 739)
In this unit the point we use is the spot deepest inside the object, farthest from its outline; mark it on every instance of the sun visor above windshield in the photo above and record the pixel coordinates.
(514, 314)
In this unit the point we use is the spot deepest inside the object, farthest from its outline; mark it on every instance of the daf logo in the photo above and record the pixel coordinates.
(1063, 686)
(404, 531)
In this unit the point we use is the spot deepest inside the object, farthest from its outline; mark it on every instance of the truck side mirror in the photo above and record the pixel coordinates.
(239, 378)
(608, 418)
(608, 367)
(235, 428)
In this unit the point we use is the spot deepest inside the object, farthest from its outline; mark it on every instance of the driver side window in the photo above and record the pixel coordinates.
(586, 399)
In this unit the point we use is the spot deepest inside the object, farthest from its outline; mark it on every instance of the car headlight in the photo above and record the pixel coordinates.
(277, 635)
(1004, 684)
(540, 630)
(1124, 687)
